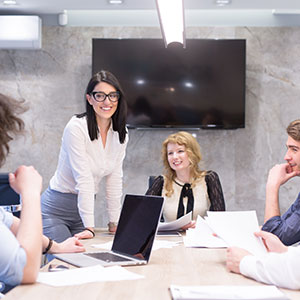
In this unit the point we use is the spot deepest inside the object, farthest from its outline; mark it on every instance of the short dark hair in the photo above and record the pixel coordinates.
(10, 124)
(118, 118)
(293, 130)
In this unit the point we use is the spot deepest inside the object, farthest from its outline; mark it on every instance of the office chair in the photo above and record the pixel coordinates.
(2, 286)
(9, 199)
(151, 180)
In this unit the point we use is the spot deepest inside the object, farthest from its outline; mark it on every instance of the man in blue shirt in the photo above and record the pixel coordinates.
(287, 226)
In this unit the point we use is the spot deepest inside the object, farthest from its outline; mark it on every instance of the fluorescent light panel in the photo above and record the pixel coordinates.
(171, 16)
(115, 1)
(19, 28)
(9, 2)
(286, 11)
(222, 2)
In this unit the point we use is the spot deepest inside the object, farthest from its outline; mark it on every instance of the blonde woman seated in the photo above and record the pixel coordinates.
(185, 187)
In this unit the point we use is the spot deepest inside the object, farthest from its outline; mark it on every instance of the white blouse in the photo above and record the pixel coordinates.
(83, 163)
(201, 200)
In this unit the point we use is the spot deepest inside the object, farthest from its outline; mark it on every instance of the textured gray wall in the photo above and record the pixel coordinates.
(52, 81)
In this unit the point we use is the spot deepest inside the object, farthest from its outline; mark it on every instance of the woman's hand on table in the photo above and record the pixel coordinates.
(70, 245)
(192, 224)
(88, 233)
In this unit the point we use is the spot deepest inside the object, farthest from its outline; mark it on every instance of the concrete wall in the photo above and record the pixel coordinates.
(52, 81)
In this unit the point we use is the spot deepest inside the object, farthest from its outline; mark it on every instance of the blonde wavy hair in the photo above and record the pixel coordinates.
(194, 154)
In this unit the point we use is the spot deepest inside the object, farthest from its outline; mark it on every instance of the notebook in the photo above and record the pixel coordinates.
(133, 239)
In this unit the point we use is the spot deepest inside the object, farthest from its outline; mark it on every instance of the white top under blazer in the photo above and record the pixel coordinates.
(201, 200)
(83, 163)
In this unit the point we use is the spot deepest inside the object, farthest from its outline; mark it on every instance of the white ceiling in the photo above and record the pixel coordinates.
(143, 12)
(56, 6)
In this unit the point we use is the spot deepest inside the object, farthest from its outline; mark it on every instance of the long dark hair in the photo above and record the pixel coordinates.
(118, 118)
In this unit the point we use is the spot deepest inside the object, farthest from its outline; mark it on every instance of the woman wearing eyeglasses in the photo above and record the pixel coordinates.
(93, 148)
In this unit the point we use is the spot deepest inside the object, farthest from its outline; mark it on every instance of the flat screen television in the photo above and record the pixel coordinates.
(200, 86)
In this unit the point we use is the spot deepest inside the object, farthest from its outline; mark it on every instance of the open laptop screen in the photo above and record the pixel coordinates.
(138, 225)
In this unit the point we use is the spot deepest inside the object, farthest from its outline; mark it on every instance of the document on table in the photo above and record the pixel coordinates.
(237, 228)
(158, 244)
(177, 224)
(86, 275)
(202, 236)
(227, 292)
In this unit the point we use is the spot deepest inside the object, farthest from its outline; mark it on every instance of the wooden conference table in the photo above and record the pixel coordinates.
(178, 265)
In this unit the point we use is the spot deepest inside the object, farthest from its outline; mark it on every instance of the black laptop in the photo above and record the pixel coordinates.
(134, 237)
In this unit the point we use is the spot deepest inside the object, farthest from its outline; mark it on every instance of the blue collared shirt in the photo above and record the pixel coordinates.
(287, 226)
(12, 255)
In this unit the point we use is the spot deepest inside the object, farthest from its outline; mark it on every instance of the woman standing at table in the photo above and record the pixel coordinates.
(93, 147)
(185, 186)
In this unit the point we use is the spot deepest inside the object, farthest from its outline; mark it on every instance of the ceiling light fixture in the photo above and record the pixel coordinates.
(171, 19)
(9, 2)
(286, 11)
(115, 1)
(222, 2)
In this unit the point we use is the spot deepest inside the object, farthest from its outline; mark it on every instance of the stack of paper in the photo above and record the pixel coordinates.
(202, 236)
(233, 228)
(223, 292)
(177, 224)
(237, 228)
(85, 275)
(158, 244)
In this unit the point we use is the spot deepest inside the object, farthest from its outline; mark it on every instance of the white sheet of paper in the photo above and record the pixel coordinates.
(237, 228)
(104, 246)
(227, 292)
(202, 236)
(86, 275)
(156, 245)
(177, 224)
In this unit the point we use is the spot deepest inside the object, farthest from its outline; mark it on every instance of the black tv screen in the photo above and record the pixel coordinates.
(200, 86)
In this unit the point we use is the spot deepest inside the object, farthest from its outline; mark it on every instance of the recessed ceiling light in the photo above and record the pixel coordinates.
(115, 1)
(9, 2)
(222, 2)
(140, 81)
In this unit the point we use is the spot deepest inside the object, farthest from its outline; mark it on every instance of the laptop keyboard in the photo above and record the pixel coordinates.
(106, 256)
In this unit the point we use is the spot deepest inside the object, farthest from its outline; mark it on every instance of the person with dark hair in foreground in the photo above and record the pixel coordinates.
(93, 148)
(22, 242)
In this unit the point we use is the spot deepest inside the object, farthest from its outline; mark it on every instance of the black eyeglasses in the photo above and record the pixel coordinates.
(101, 96)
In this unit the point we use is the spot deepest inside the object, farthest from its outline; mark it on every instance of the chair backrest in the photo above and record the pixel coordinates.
(151, 180)
(9, 199)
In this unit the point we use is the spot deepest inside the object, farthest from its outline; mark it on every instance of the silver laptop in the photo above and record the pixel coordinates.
(134, 237)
